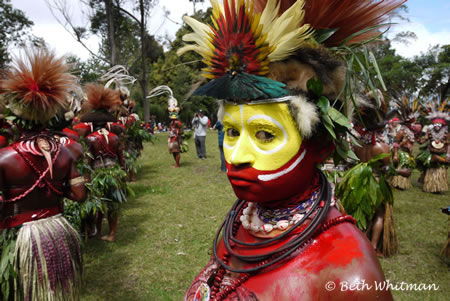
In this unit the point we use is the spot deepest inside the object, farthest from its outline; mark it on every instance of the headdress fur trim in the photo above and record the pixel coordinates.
(305, 115)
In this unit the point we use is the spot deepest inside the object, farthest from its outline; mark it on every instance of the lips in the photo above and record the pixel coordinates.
(241, 178)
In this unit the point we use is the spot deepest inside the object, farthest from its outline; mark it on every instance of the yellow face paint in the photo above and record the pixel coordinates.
(262, 135)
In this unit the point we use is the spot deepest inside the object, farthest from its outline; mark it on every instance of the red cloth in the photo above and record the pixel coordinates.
(21, 218)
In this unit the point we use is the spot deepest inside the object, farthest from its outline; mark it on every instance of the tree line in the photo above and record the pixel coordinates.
(125, 39)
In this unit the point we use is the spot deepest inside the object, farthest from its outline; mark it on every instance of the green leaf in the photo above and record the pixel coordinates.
(339, 118)
(329, 127)
(323, 103)
(352, 155)
(378, 157)
(314, 86)
(321, 35)
(377, 69)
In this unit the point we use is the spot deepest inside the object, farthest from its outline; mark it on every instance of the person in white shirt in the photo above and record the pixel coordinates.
(200, 123)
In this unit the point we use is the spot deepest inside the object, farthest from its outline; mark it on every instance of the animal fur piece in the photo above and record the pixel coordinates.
(347, 16)
(435, 180)
(100, 97)
(305, 115)
(308, 63)
(37, 85)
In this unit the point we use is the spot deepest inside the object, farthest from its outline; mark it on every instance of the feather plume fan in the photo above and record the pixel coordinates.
(100, 97)
(243, 41)
(37, 85)
(172, 101)
(355, 21)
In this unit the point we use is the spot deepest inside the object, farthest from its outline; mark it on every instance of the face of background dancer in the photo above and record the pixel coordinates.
(264, 152)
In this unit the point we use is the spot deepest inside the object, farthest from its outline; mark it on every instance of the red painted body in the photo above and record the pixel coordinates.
(341, 254)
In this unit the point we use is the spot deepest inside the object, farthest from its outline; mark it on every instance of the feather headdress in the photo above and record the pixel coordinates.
(438, 109)
(240, 44)
(37, 85)
(101, 98)
(172, 102)
(101, 101)
(118, 75)
(409, 109)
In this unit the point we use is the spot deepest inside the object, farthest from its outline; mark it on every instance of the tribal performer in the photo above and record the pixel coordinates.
(404, 139)
(436, 158)
(283, 239)
(108, 188)
(175, 132)
(37, 171)
(371, 206)
(175, 140)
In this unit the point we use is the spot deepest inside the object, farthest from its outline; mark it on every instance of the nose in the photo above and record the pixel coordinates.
(243, 153)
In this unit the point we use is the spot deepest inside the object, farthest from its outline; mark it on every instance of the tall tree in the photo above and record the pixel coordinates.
(13, 28)
(436, 71)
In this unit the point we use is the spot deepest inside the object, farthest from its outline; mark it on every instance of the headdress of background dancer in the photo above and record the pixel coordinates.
(118, 75)
(173, 107)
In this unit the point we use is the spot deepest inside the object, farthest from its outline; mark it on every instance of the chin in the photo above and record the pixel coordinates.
(248, 183)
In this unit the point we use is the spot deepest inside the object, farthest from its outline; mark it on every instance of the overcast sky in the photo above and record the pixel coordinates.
(429, 19)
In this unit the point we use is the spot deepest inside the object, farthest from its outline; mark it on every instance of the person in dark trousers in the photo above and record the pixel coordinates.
(219, 127)
(200, 123)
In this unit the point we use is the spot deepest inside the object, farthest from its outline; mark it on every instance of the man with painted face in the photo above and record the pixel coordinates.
(283, 239)
(436, 157)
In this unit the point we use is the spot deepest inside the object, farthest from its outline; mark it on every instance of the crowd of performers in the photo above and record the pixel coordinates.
(385, 147)
(66, 155)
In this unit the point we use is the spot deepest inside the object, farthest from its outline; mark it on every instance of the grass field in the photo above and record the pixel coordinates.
(165, 232)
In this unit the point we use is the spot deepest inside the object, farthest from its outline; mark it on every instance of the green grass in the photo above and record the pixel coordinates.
(165, 232)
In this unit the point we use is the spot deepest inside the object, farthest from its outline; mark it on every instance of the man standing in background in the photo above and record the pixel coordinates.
(199, 123)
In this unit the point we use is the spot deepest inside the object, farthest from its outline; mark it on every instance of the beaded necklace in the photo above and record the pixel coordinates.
(257, 218)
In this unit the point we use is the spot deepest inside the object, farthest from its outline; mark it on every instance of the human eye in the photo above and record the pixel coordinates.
(264, 136)
(231, 132)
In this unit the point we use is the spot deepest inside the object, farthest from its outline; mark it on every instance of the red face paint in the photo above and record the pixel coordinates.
(248, 184)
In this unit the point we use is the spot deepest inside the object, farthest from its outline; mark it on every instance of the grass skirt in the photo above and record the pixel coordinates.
(400, 182)
(47, 260)
(389, 242)
(435, 180)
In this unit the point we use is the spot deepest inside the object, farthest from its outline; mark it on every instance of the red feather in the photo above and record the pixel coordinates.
(348, 16)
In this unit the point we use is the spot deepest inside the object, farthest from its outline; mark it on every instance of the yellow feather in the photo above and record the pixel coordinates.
(269, 13)
(255, 22)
